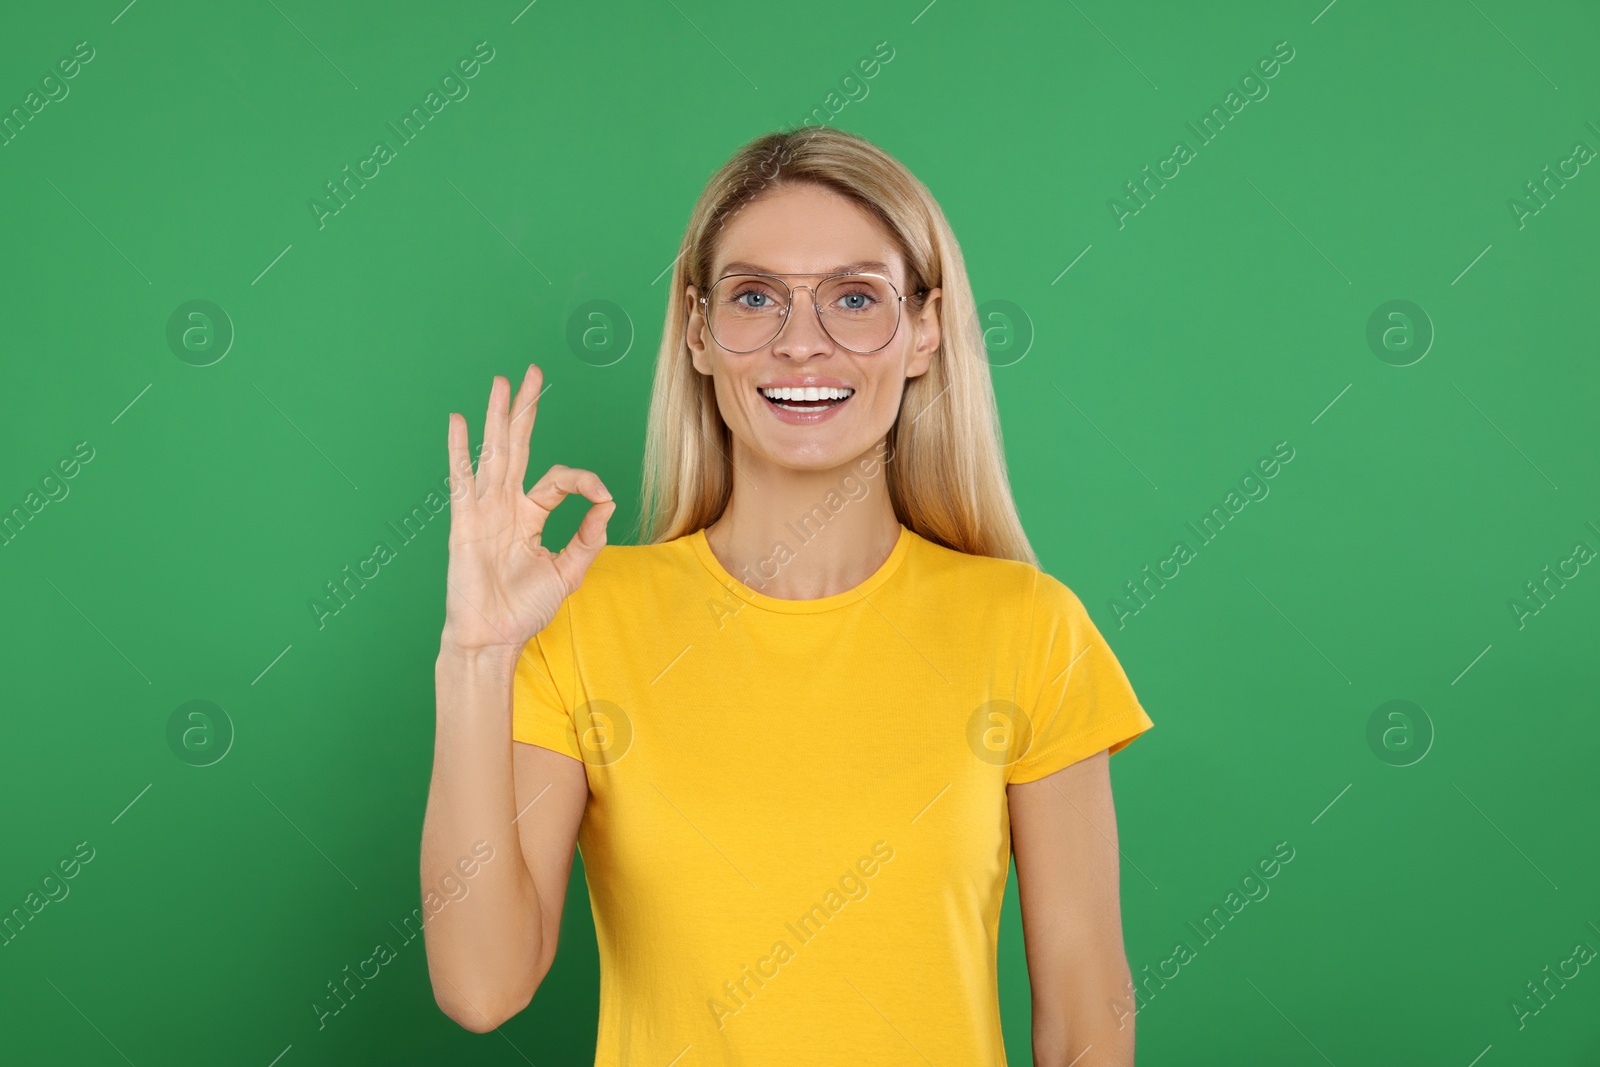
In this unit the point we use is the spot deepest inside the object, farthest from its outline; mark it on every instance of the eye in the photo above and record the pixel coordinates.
(749, 295)
(858, 298)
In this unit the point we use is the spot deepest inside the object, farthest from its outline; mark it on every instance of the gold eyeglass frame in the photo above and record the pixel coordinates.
(816, 307)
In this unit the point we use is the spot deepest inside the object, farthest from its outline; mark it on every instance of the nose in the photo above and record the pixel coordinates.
(802, 335)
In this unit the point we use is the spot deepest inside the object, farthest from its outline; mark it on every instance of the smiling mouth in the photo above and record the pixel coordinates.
(810, 398)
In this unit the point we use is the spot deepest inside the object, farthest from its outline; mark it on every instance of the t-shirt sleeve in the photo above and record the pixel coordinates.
(1083, 701)
(540, 715)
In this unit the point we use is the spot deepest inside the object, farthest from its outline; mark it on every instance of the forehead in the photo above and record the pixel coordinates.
(806, 230)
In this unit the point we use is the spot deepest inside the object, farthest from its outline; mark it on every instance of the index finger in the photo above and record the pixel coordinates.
(524, 408)
(560, 482)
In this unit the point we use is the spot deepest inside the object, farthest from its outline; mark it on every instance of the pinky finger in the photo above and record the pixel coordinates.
(462, 488)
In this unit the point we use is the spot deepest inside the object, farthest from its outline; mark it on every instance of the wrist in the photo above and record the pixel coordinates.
(478, 659)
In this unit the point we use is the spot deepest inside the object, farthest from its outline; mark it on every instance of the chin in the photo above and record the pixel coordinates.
(810, 455)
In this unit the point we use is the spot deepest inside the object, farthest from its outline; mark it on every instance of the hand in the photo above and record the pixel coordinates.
(502, 585)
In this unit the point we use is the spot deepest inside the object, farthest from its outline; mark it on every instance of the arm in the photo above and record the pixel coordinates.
(489, 949)
(1064, 836)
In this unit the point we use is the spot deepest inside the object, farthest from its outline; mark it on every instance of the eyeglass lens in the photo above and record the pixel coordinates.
(746, 311)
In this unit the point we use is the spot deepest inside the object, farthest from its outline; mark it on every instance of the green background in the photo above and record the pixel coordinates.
(1228, 315)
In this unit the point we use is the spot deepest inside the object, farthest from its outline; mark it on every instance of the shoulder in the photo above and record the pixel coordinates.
(1018, 588)
(977, 579)
(629, 578)
(624, 558)
(628, 564)
(624, 583)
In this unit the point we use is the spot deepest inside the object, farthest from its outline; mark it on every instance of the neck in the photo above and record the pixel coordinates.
(805, 534)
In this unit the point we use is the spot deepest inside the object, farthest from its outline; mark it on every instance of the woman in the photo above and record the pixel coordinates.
(800, 728)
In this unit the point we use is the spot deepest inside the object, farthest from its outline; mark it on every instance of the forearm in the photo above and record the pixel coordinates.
(1064, 833)
(1087, 1022)
(486, 952)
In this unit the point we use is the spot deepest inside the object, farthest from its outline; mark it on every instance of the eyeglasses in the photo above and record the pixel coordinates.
(859, 312)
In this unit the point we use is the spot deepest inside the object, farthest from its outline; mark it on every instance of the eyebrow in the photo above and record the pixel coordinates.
(863, 267)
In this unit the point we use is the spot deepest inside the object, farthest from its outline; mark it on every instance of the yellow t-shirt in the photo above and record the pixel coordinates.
(796, 838)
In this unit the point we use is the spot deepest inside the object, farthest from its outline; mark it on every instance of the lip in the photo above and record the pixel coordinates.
(802, 381)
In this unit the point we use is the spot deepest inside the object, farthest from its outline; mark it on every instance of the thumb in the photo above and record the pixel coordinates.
(572, 562)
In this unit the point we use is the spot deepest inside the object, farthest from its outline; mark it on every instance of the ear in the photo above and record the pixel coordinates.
(694, 332)
(927, 336)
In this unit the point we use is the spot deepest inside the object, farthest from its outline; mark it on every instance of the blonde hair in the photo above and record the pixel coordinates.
(946, 470)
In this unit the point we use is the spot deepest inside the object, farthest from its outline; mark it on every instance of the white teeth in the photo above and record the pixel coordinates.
(807, 393)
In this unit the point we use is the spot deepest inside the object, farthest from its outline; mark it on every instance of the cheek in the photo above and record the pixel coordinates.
(736, 399)
(889, 383)
(883, 403)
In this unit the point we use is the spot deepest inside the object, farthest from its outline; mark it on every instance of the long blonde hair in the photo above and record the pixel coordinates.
(946, 471)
